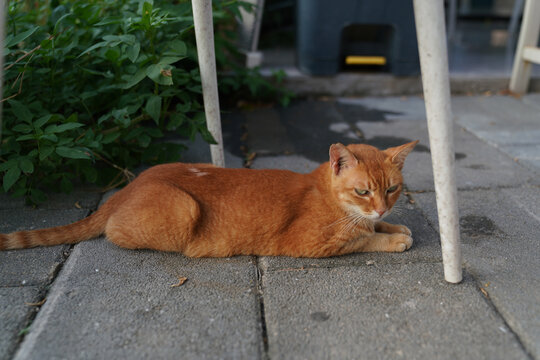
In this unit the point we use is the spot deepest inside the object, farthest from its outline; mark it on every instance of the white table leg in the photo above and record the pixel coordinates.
(204, 35)
(528, 39)
(429, 17)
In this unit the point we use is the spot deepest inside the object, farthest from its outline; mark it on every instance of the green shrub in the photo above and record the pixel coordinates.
(92, 87)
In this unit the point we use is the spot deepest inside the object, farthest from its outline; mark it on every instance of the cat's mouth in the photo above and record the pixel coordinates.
(375, 216)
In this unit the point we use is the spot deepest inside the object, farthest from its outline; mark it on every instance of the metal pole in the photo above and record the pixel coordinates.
(3, 11)
(429, 17)
(204, 35)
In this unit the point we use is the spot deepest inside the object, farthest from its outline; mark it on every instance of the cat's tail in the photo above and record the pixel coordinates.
(84, 229)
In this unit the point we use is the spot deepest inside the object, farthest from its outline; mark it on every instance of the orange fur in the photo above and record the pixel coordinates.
(206, 211)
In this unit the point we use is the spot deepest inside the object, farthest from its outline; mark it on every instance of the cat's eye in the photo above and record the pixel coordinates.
(362, 192)
(391, 189)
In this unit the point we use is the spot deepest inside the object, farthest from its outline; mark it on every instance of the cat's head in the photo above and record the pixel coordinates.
(367, 181)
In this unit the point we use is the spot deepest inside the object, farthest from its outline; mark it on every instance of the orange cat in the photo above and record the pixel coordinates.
(206, 211)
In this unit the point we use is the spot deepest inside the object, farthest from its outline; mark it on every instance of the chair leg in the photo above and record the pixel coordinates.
(528, 37)
(204, 36)
(429, 18)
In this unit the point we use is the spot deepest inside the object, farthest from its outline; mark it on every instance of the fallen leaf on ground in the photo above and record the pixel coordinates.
(77, 205)
(39, 303)
(181, 281)
(484, 292)
(507, 92)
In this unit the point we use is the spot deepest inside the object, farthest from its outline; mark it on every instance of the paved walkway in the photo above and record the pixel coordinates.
(96, 301)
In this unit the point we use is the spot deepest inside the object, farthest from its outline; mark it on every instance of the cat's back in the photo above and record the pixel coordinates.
(208, 178)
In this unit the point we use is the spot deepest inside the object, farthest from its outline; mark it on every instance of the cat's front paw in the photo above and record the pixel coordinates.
(400, 242)
(402, 229)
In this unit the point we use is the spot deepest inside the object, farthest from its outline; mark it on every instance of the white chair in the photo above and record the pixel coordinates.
(527, 51)
(430, 28)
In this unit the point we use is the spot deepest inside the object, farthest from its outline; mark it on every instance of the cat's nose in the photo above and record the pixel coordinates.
(380, 211)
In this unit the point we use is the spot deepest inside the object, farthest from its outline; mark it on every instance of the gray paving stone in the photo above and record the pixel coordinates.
(426, 246)
(33, 266)
(86, 197)
(266, 133)
(527, 155)
(115, 303)
(494, 112)
(499, 231)
(532, 99)
(523, 151)
(391, 311)
(294, 163)
(531, 164)
(394, 108)
(14, 314)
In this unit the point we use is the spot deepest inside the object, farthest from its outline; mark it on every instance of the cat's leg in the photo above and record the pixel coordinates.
(158, 217)
(375, 242)
(384, 227)
(397, 242)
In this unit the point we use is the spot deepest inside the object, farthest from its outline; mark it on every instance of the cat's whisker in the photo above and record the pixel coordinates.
(355, 220)
(341, 220)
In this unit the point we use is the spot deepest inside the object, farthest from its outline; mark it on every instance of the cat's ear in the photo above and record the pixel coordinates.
(398, 154)
(341, 158)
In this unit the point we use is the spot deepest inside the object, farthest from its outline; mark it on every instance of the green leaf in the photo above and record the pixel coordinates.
(9, 164)
(53, 129)
(26, 137)
(206, 135)
(90, 173)
(94, 47)
(45, 151)
(183, 108)
(160, 73)
(26, 166)
(11, 177)
(178, 48)
(21, 111)
(41, 121)
(73, 153)
(135, 79)
(146, 14)
(68, 126)
(103, 118)
(111, 20)
(22, 128)
(144, 140)
(109, 138)
(167, 60)
(175, 120)
(18, 193)
(46, 44)
(121, 117)
(133, 52)
(66, 185)
(21, 37)
(50, 137)
(112, 55)
(72, 118)
(59, 21)
(153, 132)
(153, 107)
(37, 196)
